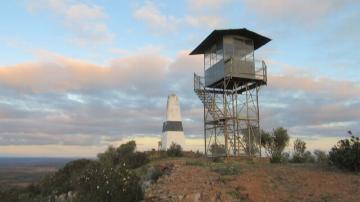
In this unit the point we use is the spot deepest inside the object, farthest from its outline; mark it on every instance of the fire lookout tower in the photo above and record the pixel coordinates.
(229, 91)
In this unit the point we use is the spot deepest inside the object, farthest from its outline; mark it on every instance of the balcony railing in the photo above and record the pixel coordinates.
(260, 70)
(198, 82)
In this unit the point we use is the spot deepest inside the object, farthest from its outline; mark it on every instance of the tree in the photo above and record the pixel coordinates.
(299, 146)
(346, 154)
(299, 151)
(274, 143)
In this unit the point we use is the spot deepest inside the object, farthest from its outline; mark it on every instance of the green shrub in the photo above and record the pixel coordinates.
(64, 179)
(300, 153)
(346, 154)
(156, 174)
(198, 154)
(274, 143)
(125, 153)
(136, 160)
(174, 150)
(321, 157)
(309, 158)
(218, 151)
(285, 157)
(194, 163)
(276, 158)
(100, 182)
(159, 170)
(224, 169)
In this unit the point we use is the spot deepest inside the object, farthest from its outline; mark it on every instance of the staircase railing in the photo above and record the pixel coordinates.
(206, 98)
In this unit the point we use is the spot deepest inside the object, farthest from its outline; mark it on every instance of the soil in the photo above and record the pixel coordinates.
(203, 181)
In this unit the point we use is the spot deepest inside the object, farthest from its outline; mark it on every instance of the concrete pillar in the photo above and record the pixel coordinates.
(172, 128)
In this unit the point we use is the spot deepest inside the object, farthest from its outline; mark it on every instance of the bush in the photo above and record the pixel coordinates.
(285, 157)
(100, 182)
(225, 169)
(321, 157)
(175, 150)
(194, 163)
(64, 179)
(274, 143)
(275, 158)
(217, 151)
(308, 157)
(159, 170)
(198, 154)
(346, 154)
(136, 160)
(109, 179)
(125, 153)
(300, 153)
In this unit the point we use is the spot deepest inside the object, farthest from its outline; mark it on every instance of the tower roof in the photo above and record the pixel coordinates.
(258, 39)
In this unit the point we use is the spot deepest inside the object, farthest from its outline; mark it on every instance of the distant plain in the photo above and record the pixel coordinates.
(22, 171)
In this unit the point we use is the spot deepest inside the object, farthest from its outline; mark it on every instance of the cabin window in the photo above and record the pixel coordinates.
(238, 48)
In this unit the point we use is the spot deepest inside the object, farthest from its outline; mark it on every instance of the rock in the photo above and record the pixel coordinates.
(197, 197)
(218, 197)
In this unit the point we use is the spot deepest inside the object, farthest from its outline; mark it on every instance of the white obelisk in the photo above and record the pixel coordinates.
(172, 128)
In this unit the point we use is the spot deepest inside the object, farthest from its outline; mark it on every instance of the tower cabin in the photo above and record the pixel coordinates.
(229, 60)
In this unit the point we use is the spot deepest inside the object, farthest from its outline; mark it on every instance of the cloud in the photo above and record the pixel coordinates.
(60, 100)
(212, 21)
(305, 12)
(60, 74)
(161, 23)
(322, 86)
(207, 4)
(309, 105)
(85, 21)
(151, 15)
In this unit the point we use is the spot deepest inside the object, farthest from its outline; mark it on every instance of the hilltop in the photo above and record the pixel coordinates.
(124, 174)
(236, 180)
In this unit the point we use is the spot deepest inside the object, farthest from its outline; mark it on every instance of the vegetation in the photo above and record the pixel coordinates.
(110, 178)
(346, 154)
(300, 153)
(174, 150)
(194, 162)
(251, 141)
(122, 173)
(217, 152)
(321, 157)
(275, 143)
(100, 182)
(225, 169)
(125, 153)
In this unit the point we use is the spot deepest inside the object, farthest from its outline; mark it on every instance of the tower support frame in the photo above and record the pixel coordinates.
(231, 116)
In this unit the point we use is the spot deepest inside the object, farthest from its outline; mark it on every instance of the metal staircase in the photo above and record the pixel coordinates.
(207, 99)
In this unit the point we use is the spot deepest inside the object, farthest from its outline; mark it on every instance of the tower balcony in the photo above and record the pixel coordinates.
(235, 72)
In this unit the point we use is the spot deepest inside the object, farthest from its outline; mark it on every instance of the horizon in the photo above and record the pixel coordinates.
(78, 76)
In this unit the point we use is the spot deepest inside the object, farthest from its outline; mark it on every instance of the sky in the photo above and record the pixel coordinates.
(77, 76)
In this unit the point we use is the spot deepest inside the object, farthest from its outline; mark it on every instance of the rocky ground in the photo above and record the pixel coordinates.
(197, 180)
